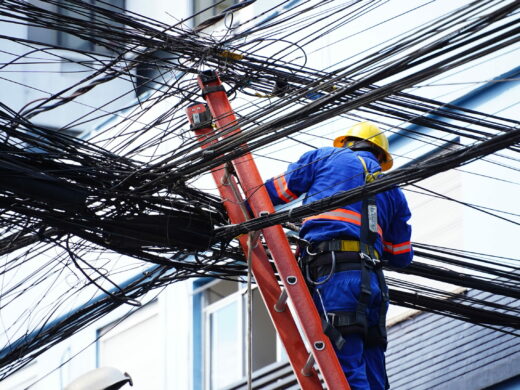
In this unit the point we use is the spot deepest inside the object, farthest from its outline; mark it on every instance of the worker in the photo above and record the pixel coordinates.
(346, 246)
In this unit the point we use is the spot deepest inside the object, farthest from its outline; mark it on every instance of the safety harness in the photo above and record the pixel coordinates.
(352, 255)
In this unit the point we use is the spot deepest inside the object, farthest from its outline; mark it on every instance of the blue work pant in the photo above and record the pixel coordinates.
(363, 364)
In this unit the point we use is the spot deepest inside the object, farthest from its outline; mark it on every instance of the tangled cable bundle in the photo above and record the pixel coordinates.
(80, 214)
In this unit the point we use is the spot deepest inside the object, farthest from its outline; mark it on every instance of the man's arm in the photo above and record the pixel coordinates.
(294, 182)
(397, 248)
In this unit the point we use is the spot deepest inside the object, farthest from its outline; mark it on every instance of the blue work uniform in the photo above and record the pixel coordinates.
(325, 172)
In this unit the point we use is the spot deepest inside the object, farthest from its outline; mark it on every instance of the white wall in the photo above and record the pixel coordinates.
(153, 345)
(167, 349)
(495, 185)
(26, 82)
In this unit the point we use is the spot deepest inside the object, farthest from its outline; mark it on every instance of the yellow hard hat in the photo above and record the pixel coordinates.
(369, 132)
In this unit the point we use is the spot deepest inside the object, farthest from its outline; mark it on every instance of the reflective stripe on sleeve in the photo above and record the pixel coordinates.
(283, 192)
(397, 249)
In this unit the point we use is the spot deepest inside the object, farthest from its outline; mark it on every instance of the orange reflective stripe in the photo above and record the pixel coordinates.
(339, 215)
(291, 194)
(403, 247)
(397, 249)
(333, 217)
(279, 191)
(343, 215)
(284, 193)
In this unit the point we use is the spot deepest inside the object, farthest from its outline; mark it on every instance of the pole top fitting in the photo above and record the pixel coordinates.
(208, 76)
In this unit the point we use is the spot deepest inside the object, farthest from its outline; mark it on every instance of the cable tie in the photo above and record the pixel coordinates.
(231, 55)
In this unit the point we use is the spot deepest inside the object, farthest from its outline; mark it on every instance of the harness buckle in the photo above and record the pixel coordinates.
(308, 245)
(331, 317)
(375, 263)
(366, 291)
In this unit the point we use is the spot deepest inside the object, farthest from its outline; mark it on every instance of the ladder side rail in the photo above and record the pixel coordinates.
(263, 273)
(286, 264)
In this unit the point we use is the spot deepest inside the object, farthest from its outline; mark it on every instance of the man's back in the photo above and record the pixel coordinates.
(325, 172)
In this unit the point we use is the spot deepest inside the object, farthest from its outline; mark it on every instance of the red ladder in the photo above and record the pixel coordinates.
(292, 279)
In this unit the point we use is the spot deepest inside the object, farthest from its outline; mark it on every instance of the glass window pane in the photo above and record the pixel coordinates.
(71, 41)
(111, 5)
(199, 5)
(220, 290)
(222, 6)
(225, 353)
(264, 334)
(40, 34)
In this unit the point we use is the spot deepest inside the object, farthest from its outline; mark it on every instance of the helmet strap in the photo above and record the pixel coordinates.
(359, 145)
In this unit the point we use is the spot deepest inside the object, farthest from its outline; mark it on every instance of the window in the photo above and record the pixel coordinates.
(154, 70)
(223, 346)
(70, 41)
(210, 8)
(224, 323)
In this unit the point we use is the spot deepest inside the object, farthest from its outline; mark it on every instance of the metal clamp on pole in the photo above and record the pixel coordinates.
(200, 116)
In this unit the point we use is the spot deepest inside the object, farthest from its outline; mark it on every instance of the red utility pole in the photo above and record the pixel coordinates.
(294, 286)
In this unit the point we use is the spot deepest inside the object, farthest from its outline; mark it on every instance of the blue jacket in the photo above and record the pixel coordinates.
(324, 172)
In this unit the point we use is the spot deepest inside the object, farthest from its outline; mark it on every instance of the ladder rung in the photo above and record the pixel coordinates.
(307, 369)
(281, 303)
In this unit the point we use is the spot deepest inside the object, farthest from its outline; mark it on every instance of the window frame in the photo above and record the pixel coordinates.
(197, 19)
(238, 298)
(201, 329)
(57, 38)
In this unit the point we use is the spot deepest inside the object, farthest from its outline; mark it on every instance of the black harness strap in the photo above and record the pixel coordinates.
(211, 89)
(368, 236)
(364, 298)
(333, 333)
(385, 299)
(369, 232)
